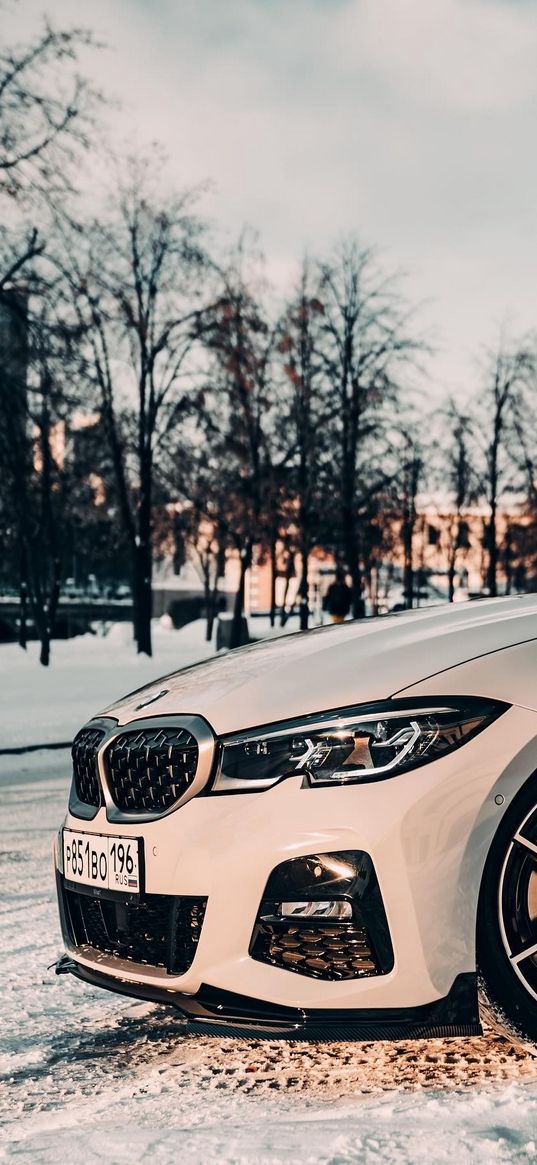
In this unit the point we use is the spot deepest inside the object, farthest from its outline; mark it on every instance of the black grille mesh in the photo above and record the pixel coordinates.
(340, 951)
(161, 931)
(84, 754)
(150, 769)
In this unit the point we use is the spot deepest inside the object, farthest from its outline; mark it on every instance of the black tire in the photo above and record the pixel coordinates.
(507, 920)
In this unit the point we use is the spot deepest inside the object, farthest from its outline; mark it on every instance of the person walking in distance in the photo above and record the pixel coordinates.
(338, 597)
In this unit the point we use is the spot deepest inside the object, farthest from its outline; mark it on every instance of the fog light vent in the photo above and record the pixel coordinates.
(323, 916)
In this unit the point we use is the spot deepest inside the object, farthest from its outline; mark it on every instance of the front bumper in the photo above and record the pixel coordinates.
(427, 832)
(212, 1012)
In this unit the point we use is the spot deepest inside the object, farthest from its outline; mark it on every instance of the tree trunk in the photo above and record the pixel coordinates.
(211, 613)
(358, 602)
(289, 574)
(350, 536)
(142, 598)
(23, 600)
(451, 577)
(412, 475)
(211, 602)
(492, 532)
(283, 609)
(454, 544)
(44, 653)
(353, 564)
(45, 609)
(408, 569)
(492, 545)
(303, 589)
(238, 605)
(207, 599)
(508, 561)
(143, 561)
(273, 575)
(45, 583)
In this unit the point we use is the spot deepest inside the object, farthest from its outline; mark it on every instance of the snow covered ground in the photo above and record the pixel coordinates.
(41, 705)
(91, 1077)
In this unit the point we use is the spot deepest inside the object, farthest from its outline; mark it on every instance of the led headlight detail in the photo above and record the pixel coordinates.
(366, 743)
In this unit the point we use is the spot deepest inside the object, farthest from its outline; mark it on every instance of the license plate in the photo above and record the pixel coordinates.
(108, 863)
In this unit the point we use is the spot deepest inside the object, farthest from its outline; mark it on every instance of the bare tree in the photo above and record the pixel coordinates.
(136, 289)
(509, 370)
(35, 402)
(202, 514)
(459, 461)
(412, 471)
(366, 339)
(46, 115)
(301, 421)
(43, 524)
(46, 111)
(15, 450)
(240, 341)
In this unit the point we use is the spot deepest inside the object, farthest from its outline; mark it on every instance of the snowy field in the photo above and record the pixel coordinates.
(91, 1077)
(41, 705)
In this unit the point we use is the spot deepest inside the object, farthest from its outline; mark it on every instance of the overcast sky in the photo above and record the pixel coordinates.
(410, 122)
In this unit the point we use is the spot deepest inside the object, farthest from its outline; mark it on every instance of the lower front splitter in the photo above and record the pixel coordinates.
(216, 1012)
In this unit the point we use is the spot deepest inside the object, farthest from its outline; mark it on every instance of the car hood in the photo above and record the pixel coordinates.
(333, 667)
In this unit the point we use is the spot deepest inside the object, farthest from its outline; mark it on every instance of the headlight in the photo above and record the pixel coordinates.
(368, 743)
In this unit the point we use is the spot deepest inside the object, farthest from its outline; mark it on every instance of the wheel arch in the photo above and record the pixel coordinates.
(496, 807)
(491, 813)
(507, 1005)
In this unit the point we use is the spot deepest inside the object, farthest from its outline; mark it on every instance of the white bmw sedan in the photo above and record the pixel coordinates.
(328, 834)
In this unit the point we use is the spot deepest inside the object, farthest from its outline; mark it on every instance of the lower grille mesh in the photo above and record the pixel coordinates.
(161, 931)
(323, 952)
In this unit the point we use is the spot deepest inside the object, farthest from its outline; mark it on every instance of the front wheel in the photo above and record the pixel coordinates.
(507, 920)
